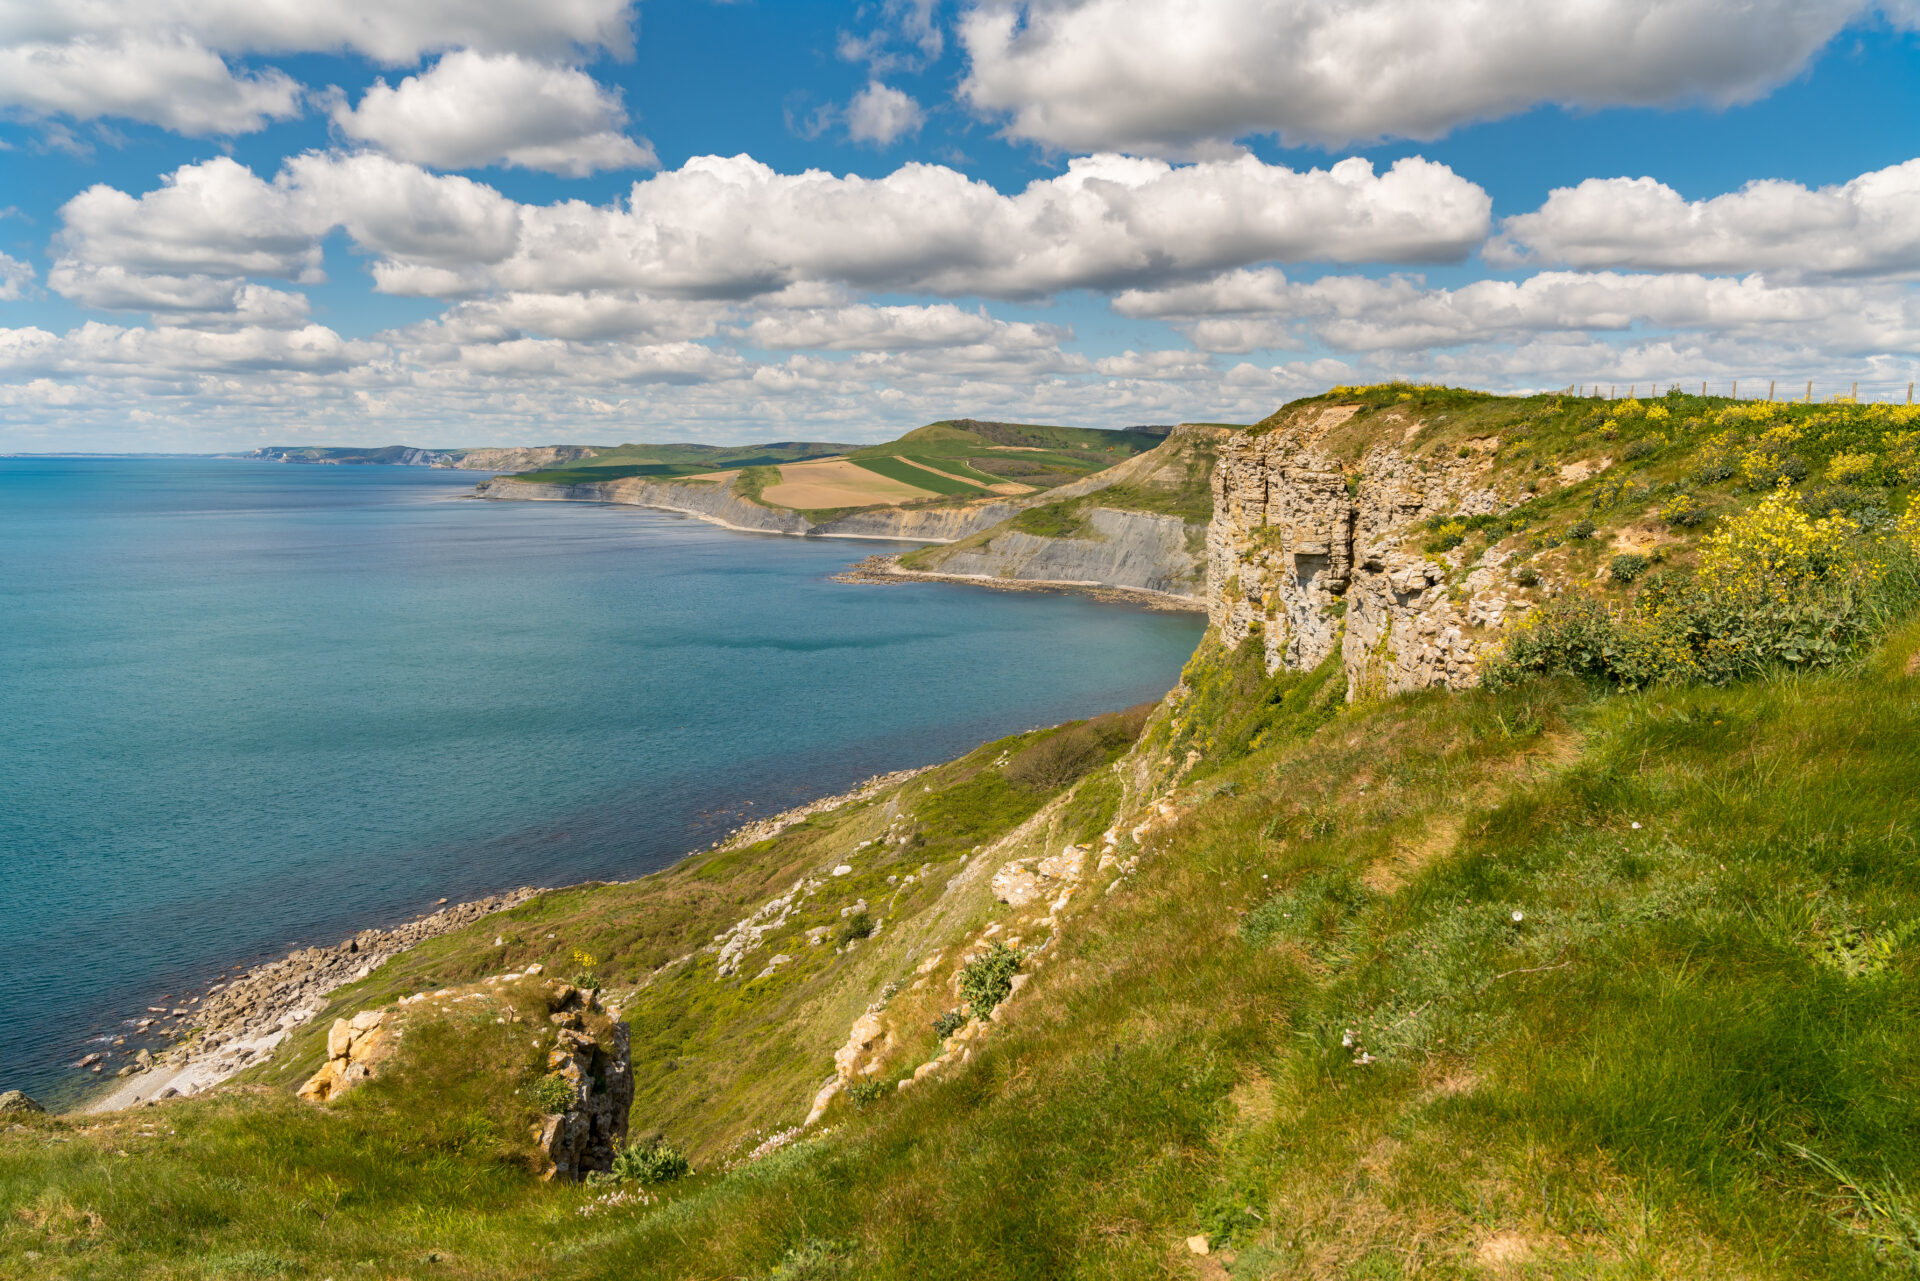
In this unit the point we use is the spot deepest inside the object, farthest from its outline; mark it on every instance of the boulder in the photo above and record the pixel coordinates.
(868, 1035)
(354, 1046)
(1016, 885)
(14, 1101)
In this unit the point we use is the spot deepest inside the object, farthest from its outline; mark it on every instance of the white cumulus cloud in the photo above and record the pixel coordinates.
(1173, 76)
(176, 63)
(473, 109)
(1867, 226)
(880, 113)
(1257, 310)
(734, 228)
(16, 278)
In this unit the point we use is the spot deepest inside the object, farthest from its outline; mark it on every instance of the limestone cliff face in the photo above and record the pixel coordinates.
(531, 458)
(720, 505)
(1312, 554)
(1131, 549)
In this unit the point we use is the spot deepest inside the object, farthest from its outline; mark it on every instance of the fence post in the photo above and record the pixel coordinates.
(1809, 391)
(1770, 383)
(1855, 393)
(1736, 390)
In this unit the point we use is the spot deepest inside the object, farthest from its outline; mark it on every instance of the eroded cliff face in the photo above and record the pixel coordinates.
(1310, 553)
(1136, 550)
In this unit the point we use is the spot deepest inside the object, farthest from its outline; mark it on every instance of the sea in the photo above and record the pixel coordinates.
(248, 706)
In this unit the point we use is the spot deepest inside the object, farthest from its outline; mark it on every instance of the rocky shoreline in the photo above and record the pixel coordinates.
(237, 1024)
(887, 569)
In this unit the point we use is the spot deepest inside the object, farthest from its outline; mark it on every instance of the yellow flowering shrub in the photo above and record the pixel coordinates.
(1775, 549)
(1775, 586)
(1903, 457)
(1852, 469)
(1772, 458)
(1658, 414)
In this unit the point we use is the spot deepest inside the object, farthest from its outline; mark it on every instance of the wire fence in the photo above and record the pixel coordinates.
(1811, 391)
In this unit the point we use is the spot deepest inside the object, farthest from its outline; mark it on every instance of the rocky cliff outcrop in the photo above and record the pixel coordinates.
(530, 458)
(1138, 550)
(592, 1055)
(1311, 553)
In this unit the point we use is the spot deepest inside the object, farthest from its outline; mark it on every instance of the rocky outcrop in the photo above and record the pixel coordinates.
(1313, 555)
(719, 505)
(354, 1047)
(18, 1101)
(531, 458)
(1131, 549)
(592, 1054)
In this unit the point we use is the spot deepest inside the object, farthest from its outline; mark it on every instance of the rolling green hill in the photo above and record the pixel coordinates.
(675, 460)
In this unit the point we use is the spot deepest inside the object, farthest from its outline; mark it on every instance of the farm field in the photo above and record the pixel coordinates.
(836, 482)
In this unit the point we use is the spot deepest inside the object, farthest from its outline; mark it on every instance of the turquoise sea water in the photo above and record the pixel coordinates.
(246, 706)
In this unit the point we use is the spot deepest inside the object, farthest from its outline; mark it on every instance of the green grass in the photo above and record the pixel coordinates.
(895, 469)
(576, 475)
(1066, 519)
(670, 461)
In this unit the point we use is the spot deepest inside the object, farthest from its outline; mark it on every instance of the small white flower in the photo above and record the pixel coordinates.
(1519, 917)
(1636, 827)
(1346, 1037)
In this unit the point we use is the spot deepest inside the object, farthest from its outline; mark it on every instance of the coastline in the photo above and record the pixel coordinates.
(711, 519)
(884, 569)
(239, 1024)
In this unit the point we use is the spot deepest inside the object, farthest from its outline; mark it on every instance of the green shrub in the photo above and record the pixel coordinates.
(1775, 588)
(1642, 449)
(551, 1093)
(988, 978)
(815, 1259)
(1627, 566)
(1683, 511)
(863, 1093)
(1527, 576)
(857, 926)
(946, 1024)
(1053, 520)
(1581, 529)
(1056, 760)
(651, 1160)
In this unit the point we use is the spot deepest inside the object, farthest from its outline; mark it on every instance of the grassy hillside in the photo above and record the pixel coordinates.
(669, 461)
(1173, 478)
(1026, 454)
(1557, 978)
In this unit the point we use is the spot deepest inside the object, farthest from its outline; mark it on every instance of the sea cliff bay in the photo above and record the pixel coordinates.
(263, 708)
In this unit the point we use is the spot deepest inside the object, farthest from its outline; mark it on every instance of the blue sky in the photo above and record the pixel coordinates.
(460, 222)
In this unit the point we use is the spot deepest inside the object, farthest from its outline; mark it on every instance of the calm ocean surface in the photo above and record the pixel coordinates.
(246, 706)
